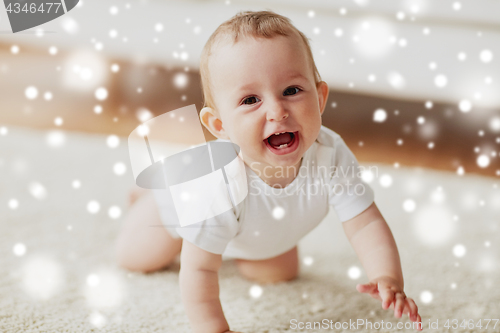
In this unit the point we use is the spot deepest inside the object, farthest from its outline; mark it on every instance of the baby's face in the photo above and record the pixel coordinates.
(266, 86)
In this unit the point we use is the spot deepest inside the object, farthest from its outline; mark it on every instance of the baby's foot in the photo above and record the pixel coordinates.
(135, 193)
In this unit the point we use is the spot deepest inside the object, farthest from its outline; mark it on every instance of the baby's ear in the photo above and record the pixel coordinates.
(210, 120)
(323, 91)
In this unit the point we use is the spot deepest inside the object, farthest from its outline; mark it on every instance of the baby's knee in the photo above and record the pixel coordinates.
(268, 274)
(136, 259)
(284, 276)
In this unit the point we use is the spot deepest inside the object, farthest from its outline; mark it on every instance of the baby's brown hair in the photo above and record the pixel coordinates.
(263, 24)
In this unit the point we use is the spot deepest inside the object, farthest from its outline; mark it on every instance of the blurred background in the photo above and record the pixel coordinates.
(414, 90)
(414, 82)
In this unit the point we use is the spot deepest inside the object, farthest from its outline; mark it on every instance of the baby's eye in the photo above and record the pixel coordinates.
(291, 91)
(250, 100)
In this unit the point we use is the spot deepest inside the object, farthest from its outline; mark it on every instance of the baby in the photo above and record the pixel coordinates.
(263, 92)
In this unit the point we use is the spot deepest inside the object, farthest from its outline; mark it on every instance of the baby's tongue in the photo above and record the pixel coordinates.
(280, 139)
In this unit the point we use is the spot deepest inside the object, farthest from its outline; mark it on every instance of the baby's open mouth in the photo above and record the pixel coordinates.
(282, 143)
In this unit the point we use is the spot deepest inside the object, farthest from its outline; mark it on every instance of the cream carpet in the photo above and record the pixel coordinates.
(58, 272)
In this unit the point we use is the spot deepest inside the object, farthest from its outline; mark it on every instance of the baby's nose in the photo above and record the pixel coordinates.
(277, 114)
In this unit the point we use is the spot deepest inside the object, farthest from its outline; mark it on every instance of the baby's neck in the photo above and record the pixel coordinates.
(277, 176)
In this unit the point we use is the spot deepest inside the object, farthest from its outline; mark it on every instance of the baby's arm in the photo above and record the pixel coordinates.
(374, 244)
(198, 279)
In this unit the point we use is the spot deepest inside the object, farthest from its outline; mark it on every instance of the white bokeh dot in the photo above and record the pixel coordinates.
(31, 92)
(180, 80)
(459, 250)
(494, 124)
(409, 205)
(93, 207)
(308, 261)
(58, 121)
(385, 180)
(42, 277)
(112, 141)
(114, 212)
(255, 291)
(278, 212)
(426, 297)
(486, 56)
(465, 105)
(144, 115)
(97, 319)
(354, 272)
(143, 130)
(101, 93)
(367, 176)
(55, 139)
(113, 10)
(93, 280)
(159, 27)
(70, 25)
(19, 249)
(37, 190)
(483, 161)
(433, 224)
(119, 168)
(113, 33)
(13, 204)
(396, 80)
(379, 116)
(440, 81)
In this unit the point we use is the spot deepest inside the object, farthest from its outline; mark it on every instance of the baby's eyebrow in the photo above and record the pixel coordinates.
(297, 76)
(252, 85)
(248, 86)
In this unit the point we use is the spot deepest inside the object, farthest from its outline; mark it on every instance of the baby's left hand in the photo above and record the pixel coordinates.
(389, 291)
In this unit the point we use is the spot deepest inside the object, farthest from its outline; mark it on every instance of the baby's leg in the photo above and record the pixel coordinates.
(284, 267)
(143, 244)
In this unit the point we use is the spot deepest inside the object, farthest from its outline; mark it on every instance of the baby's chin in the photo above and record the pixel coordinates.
(265, 160)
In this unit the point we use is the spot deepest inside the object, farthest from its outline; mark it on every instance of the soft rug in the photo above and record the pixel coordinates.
(63, 195)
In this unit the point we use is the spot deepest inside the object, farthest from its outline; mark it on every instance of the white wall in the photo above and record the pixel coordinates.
(343, 63)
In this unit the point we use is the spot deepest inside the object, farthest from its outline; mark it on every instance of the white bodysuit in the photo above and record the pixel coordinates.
(271, 221)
